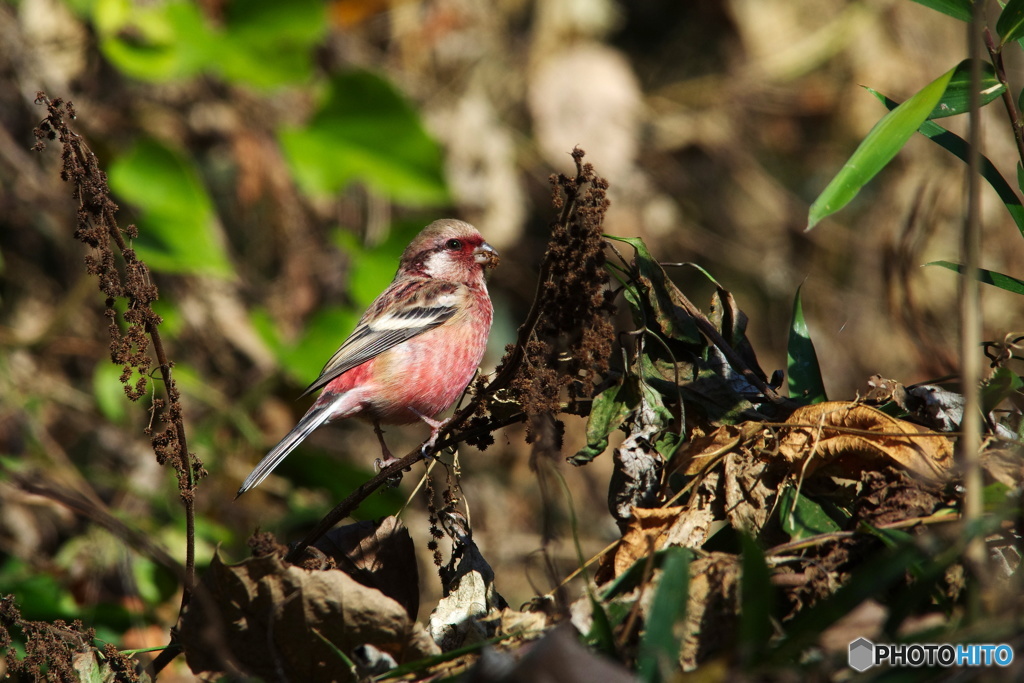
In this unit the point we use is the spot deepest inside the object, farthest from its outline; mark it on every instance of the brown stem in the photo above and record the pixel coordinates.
(996, 55)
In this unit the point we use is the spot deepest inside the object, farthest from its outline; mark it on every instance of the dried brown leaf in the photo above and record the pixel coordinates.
(380, 555)
(751, 487)
(275, 618)
(851, 438)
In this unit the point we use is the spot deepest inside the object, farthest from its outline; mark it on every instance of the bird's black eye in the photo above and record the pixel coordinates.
(454, 245)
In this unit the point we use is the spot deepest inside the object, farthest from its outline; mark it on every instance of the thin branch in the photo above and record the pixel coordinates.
(996, 55)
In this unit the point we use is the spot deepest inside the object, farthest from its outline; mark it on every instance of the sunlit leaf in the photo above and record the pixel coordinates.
(177, 226)
(989, 277)
(154, 41)
(259, 43)
(957, 98)
(366, 131)
(803, 372)
(268, 43)
(957, 146)
(877, 149)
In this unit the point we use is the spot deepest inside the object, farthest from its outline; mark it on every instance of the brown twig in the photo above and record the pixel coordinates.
(995, 53)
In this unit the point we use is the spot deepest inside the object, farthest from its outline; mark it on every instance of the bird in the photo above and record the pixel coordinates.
(415, 349)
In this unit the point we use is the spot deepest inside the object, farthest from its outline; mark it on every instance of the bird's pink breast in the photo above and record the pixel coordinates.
(428, 373)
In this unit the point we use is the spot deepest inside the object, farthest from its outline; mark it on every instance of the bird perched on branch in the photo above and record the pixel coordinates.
(416, 348)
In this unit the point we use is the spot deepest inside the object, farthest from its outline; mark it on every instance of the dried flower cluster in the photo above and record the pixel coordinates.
(97, 227)
(572, 341)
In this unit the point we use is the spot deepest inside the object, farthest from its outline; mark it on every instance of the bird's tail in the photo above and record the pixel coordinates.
(310, 421)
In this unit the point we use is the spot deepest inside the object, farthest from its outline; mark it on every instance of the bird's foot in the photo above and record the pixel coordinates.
(435, 429)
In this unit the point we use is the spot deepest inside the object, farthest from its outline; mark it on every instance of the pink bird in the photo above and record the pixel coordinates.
(416, 348)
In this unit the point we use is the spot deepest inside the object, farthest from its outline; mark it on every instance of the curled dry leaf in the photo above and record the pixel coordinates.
(851, 438)
(380, 555)
(288, 623)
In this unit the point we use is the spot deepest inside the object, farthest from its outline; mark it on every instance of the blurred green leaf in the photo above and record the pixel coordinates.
(803, 372)
(877, 149)
(957, 146)
(109, 392)
(659, 647)
(1010, 25)
(371, 269)
(154, 41)
(801, 517)
(269, 43)
(366, 131)
(177, 226)
(989, 277)
(958, 9)
(324, 333)
(262, 43)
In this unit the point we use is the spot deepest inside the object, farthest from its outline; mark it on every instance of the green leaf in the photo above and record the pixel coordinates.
(262, 43)
(608, 410)
(178, 231)
(1020, 173)
(989, 277)
(371, 269)
(877, 149)
(757, 600)
(1010, 25)
(803, 372)
(801, 517)
(958, 9)
(658, 654)
(655, 298)
(957, 97)
(957, 146)
(154, 41)
(366, 131)
(109, 392)
(269, 43)
(323, 334)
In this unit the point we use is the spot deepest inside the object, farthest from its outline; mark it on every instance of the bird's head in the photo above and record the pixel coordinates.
(450, 250)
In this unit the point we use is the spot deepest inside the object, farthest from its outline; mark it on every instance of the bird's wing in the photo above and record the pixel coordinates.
(403, 311)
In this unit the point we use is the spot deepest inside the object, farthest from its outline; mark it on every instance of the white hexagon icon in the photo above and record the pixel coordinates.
(862, 654)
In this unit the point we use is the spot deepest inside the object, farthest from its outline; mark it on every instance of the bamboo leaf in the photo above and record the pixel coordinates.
(878, 148)
(989, 277)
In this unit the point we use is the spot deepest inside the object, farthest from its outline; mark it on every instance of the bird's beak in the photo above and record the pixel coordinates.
(486, 256)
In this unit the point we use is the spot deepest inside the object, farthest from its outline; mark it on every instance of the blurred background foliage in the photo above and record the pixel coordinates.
(278, 156)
